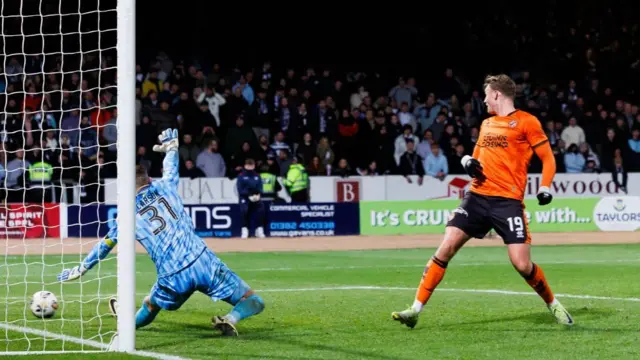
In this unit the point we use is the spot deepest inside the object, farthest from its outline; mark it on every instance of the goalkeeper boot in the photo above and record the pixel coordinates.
(560, 313)
(407, 317)
(113, 306)
(223, 325)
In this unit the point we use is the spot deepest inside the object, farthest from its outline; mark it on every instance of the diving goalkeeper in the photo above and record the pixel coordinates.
(183, 262)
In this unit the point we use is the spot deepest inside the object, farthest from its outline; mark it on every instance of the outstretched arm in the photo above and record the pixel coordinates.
(170, 165)
(98, 253)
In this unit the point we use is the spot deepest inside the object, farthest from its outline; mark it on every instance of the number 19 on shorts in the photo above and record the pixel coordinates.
(516, 224)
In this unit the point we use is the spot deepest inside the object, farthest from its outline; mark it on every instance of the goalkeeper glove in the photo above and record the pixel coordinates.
(471, 166)
(544, 196)
(71, 274)
(169, 140)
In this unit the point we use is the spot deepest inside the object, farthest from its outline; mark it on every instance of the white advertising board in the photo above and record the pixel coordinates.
(395, 188)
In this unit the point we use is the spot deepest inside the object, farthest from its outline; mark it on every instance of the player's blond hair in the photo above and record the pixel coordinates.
(502, 83)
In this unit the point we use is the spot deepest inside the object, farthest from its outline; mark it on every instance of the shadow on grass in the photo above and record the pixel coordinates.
(580, 315)
(194, 333)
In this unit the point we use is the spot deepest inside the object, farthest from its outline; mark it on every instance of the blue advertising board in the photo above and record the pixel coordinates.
(225, 220)
(218, 220)
(316, 219)
(89, 220)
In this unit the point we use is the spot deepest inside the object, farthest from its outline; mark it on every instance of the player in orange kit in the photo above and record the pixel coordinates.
(499, 165)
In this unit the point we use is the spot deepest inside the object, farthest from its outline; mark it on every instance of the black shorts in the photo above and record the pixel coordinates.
(478, 214)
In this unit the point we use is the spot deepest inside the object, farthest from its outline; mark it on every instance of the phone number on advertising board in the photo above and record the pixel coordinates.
(307, 225)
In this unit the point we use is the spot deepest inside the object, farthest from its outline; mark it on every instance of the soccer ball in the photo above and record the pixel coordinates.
(43, 304)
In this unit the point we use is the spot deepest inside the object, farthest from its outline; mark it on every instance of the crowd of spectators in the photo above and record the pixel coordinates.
(352, 123)
(336, 123)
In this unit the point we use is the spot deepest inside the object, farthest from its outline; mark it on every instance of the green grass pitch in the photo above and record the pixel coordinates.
(337, 305)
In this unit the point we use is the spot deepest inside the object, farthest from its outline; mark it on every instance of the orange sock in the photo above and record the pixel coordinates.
(539, 283)
(433, 274)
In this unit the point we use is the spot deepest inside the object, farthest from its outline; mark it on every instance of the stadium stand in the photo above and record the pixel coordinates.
(580, 80)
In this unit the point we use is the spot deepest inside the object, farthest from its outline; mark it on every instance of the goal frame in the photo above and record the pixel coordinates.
(126, 162)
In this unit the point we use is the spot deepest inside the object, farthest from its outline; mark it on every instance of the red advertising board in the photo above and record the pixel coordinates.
(348, 190)
(29, 221)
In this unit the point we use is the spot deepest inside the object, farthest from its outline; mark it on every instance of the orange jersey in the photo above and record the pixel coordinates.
(504, 149)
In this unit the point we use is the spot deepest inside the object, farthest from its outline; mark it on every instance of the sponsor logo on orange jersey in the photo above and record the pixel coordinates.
(493, 140)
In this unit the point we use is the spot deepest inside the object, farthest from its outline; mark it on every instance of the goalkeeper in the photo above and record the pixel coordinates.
(183, 262)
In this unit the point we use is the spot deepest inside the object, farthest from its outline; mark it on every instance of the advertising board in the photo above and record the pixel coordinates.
(562, 215)
(30, 221)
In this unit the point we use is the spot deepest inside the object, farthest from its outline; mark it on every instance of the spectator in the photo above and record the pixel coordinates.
(358, 97)
(16, 169)
(558, 154)
(407, 118)
(323, 121)
(634, 141)
(142, 158)
(70, 126)
(426, 113)
(110, 133)
(573, 134)
(402, 140)
(307, 149)
(284, 162)
(214, 101)
(591, 159)
(634, 150)
(552, 134)
(436, 164)
(238, 159)
(188, 150)
(609, 147)
(279, 144)
(247, 91)
(210, 162)
(343, 169)
(573, 160)
(315, 167)
(411, 163)
(238, 135)
(620, 175)
(424, 147)
(455, 161)
(260, 114)
(371, 170)
(403, 92)
(437, 128)
(236, 104)
(326, 154)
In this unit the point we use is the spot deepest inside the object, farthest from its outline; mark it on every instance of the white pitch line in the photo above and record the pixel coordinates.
(76, 340)
(477, 291)
(367, 287)
(352, 267)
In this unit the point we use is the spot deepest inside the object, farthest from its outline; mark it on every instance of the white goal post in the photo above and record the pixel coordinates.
(65, 65)
(126, 48)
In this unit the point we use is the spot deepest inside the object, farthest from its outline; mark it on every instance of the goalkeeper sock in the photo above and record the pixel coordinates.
(539, 283)
(253, 305)
(144, 316)
(433, 274)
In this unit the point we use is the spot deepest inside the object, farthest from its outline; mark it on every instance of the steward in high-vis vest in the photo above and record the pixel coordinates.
(297, 182)
(270, 184)
(40, 172)
(40, 175)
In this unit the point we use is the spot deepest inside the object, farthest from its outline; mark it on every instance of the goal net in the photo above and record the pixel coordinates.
(58, 145)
